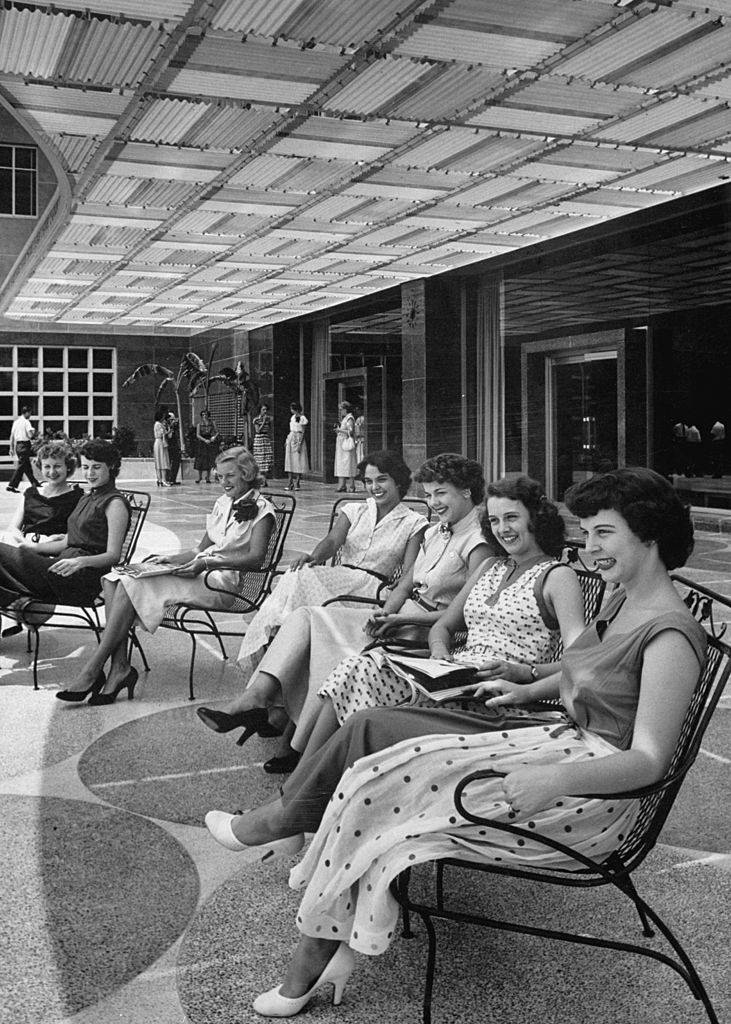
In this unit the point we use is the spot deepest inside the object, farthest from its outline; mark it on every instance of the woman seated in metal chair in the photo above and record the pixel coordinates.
(68, 570)
(43, 511)
(516, 607)
(626, 684)
(378, 535)
(236, 538)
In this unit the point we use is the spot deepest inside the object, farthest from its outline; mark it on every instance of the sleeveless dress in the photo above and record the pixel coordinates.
(370, 544)
(43, 517)
(391, 773)
(295, 447)
(160, 451)
(205, 454)
(515, 626)
(263, 453)
(345, 459)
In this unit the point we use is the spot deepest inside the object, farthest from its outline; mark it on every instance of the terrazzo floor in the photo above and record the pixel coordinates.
(117, 905)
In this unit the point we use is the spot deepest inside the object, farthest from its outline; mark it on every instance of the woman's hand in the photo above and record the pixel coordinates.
(382, 623)
(67, 566)
(502, 692)
(512, 671)
(195, 567)
(532, 788)
(300, 563)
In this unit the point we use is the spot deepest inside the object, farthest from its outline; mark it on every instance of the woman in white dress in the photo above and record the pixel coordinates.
(236, 538)
(160, 449)
(374, 538)
(314, 640)
(380, 792)
(295, 448)
(345, 458)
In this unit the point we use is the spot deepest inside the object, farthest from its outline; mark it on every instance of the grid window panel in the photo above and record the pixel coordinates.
(18, 181)
(70, 390)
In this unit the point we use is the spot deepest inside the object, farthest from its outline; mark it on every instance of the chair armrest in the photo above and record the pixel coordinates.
(371, 572)
(235, 595)
(351, 599)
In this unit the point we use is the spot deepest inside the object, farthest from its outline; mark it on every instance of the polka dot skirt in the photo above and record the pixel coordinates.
(394, 809)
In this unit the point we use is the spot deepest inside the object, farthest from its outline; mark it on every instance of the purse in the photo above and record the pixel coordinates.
(348, 444)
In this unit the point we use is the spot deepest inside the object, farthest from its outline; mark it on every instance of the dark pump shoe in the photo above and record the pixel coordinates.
(127, 683)
(253, 720)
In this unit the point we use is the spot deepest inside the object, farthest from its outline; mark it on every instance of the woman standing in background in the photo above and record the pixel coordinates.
(160, 448)
(345, 460)
(206, 446)
(263, 452)
(295, 448)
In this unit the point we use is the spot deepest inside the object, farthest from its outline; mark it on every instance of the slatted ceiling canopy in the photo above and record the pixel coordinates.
(281, 145)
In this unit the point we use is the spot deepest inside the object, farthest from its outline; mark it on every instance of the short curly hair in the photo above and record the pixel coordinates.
(57, 450)
(545, 521)
(646, 501)
(388, 462)
(245, 461)
(450, 468)
(99, 450)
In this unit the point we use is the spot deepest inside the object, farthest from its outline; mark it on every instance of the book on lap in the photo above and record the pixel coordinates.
(434, 678)
(141, 570)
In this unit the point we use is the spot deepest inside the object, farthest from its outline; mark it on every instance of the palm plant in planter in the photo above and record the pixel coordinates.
(241, 383)
(192, 370)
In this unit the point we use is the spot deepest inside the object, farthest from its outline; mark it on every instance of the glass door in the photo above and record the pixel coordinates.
(581, 396)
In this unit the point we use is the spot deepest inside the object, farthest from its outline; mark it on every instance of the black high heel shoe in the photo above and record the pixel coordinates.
(284, 764)
(127, 683)
(254, 720)
(76, 696)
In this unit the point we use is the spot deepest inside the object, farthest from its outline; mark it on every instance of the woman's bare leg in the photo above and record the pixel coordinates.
(262, 692)
(120, 615)
(309, 961)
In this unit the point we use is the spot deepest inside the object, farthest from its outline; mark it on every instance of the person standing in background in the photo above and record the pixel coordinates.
(295, 448)
(206, 446)
(160, 448)
(263, 451)
(718, 449)
(173, 439)
(345, 462)
(360, 436)
(21, 449)
(693, 451)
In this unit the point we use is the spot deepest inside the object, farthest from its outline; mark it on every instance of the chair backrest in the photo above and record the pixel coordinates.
(592, 591)
(256, 584)
(655, 807)
(139, 503)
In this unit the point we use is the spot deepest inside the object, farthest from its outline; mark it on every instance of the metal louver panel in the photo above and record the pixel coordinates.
(500, 52)
(76, 150)
(548, 17)
(167, 120)
(574, 96)
(32, 42)
(456, 88)
(632, 42)
(656, 117)
(700, 56)
(229, 128)
(107, 53)
(341, 24)
(72, 124)
(142, 10)
(377, 85)
(253, 16)
(531, 121)
(191, 82)
(254, 58)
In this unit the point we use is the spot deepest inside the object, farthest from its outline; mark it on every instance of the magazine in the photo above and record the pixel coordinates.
(429, 677)
(141, 570)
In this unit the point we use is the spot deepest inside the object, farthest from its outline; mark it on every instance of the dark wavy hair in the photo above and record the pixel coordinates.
(545, 520)
(450, 468)
(648, 504)
(391, 463)
(57, 450)
(100, 450)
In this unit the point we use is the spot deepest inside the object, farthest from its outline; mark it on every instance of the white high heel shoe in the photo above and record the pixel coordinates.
(220, 825)
(336, 973)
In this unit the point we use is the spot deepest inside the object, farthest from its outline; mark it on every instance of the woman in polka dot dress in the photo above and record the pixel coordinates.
(515, 607)
(380, 792)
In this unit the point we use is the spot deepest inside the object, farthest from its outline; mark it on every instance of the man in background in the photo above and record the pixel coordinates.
(21, 449)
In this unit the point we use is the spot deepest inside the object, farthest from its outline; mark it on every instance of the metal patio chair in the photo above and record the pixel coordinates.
(616, 870)
(73, 616)
(256, 585)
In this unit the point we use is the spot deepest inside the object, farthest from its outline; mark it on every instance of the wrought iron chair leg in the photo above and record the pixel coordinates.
(36, 645)
(403, 886)
(135, 645)
(214, 631)
(627, 886)
(440, 884)
(191, 695)
(690, 975)
(431, 962)
(27, 639)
